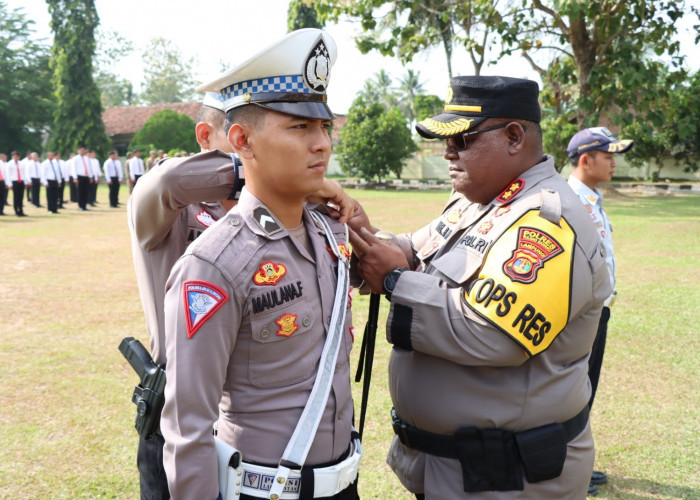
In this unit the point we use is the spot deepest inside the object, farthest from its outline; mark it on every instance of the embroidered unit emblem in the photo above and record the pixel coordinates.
(201, 301)
(534, 248)
(205, 218)
(287, 324)
(514, 188)
(485, 227)
(428, 248)
(502, 210)
(318, 68)
(453, 216)
(269, 274)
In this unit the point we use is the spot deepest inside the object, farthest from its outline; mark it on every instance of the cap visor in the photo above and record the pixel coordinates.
(446, 125)
(312, 110)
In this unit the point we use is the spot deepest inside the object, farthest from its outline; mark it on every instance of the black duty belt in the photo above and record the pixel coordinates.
(492, 459)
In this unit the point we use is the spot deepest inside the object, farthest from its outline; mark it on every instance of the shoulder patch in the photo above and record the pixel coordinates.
(524, 287)
(513, 188)
(201, 300)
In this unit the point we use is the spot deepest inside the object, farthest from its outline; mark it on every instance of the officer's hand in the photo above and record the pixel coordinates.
(376, 258)
(341, 205)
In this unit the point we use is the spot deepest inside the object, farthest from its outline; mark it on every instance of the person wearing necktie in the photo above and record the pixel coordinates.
(114, 176)
(50, 177)
(64, 169)
(83, 178)
(15, 178)
(34, 174)
(136, 167)
(95, 173)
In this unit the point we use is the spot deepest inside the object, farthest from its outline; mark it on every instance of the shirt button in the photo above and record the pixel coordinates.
(265, 334)
(306, 322)
(235, 221)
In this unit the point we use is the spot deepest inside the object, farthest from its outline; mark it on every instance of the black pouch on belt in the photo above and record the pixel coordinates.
(489, 460)
(542, 452)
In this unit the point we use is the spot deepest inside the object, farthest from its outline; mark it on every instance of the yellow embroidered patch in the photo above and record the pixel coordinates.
(524, 288)
(447, 129)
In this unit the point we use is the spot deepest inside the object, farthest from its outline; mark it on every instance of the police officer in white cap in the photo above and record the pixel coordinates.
(257, 321)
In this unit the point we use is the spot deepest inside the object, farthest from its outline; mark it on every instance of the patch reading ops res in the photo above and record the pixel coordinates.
(201, 301)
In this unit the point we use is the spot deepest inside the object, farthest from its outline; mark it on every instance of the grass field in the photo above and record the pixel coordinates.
(68, 296)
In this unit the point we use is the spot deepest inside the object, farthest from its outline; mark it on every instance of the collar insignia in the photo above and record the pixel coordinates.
(269, 274)
(202, 300)
(514, 188)
(266, 221)
(454, 215)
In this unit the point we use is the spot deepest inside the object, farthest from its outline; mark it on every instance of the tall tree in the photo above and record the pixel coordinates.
(168, 75)
(410, 87)
(114, 90)
(374, 142)
(26, 95)
(302, 14)
(78, 115)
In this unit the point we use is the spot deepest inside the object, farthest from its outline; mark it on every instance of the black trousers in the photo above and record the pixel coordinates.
(595, 361)
(36, 191)
(73, 190)
(114, 191)
(154, 484)
(3, 196)
(92, 192)
(18, 196)
(83, 190)
(61, 187)
(52, 195)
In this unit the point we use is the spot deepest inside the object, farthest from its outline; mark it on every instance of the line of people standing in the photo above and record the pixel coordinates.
(81, 173)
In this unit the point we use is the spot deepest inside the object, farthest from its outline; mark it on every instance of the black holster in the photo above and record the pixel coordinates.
(489, 460)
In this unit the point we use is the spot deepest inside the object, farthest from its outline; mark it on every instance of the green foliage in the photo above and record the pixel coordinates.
(166, 130)
(374, 141)
(168, 76)
(114, 90)
(26, 99)
(302, 14)
(596, 59)
(427, 106)
(78, 114)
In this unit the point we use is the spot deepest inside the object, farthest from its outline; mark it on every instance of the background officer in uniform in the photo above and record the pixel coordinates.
(493, 311)
(114, 175)
(16, 174)
(51, 177)
(592, 152)
(248, 306)
(82, 174)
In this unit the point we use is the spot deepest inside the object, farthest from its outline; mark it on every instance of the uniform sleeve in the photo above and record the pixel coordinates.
(201, 326)
(509, 309)
(159, 197)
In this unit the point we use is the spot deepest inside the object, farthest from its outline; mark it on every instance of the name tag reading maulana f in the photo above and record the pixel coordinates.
(524, 287)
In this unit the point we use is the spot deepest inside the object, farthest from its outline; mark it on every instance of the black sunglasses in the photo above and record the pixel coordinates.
(459, 142)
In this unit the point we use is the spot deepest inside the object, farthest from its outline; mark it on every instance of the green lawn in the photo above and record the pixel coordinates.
(68, 296)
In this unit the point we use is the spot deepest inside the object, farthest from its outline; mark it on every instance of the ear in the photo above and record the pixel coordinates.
(202, 131)
(239, 139)
(516, 137)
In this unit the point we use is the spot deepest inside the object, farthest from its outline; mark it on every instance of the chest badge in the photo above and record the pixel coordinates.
(201, 301)
(269, 274)
(287, 324)
(534, 248)
(485, 227)
(514, 188)
(454, 215)
(204, 218)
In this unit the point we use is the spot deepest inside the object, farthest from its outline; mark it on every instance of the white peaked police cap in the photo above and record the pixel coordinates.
(213, 100)
(289, 76)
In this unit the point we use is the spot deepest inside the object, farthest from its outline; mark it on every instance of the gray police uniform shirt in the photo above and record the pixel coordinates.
(495, 328)
(247, 311)
(169, 208)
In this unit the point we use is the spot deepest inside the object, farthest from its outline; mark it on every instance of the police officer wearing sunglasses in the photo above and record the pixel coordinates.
(494, 308)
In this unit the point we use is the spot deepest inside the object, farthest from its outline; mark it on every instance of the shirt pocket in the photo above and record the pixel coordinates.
(285, 347)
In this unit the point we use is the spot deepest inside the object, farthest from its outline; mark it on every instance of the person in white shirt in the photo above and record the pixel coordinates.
(113, 175)
(50, 178)
(96, 174)
(33, 167)
(136, 167)
(16, 174)
(592, 152)
(81, 173)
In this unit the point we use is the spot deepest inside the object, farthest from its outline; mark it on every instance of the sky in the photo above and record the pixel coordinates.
(218, 33)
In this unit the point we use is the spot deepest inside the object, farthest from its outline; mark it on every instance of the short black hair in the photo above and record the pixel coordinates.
(212, 116)
(575, 159)
(250, 114)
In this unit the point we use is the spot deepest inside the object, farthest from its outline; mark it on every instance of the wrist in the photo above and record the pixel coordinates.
(391, 279)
